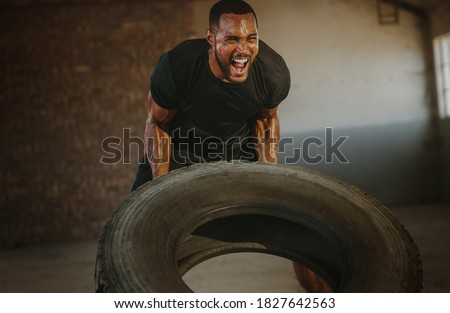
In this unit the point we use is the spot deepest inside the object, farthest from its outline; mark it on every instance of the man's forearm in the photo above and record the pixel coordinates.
(268, 136)
(158, 149)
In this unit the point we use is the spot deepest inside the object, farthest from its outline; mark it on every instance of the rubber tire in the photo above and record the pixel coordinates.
(175, 222)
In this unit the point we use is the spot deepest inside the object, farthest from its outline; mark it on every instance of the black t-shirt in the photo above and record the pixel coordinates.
(215, 119)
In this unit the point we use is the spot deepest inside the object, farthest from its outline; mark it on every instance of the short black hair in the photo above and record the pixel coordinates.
(239, 7)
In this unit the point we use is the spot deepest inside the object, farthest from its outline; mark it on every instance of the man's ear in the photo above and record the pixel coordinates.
(210, 37)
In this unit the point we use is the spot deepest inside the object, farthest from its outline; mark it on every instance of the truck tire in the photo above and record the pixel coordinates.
(176, 221)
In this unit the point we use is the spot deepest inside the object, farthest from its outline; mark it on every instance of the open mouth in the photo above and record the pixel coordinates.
(239, 64)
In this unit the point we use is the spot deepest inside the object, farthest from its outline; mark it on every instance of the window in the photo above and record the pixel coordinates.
(442, 57)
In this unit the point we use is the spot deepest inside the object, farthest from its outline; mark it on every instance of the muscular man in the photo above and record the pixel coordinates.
(216, 98)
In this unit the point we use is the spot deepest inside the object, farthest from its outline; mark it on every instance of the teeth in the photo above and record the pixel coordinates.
(242, 61)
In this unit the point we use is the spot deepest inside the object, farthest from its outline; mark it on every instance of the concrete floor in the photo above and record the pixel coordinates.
(69, 267)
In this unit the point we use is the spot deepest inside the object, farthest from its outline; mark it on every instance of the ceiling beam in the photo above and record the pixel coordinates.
(407, 6)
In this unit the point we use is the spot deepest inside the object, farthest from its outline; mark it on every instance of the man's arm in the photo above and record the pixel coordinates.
(267, 131)
(157, 138)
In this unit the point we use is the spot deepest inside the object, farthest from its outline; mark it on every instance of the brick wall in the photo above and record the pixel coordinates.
(72, 75)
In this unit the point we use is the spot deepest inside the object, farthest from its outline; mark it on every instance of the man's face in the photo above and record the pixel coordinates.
(235, 45)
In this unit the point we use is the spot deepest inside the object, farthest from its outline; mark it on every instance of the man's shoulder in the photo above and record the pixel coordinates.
(187, 51)
(273, 73)
(178, 71)
(270, 59)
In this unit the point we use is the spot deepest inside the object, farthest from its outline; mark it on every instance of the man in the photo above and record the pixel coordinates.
(215, 99)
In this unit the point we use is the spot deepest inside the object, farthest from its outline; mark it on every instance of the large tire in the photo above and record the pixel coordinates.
(181, 219)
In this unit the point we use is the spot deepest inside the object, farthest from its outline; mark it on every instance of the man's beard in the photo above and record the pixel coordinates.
(224, 65)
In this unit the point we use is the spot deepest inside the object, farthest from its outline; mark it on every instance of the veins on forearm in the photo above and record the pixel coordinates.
(267, 133)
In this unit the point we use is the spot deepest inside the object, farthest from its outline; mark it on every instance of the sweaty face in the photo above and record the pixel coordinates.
(235, 45)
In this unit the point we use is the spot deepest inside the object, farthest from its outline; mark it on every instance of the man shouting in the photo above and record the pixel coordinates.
(215, 98)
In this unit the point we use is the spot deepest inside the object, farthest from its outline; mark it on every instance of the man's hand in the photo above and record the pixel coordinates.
(157, 138)
(267, 132)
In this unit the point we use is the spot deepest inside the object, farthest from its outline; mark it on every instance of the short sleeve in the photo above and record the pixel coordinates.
(162, 86)
(280, 84)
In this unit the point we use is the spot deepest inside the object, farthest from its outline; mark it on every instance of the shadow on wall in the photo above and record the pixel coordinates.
(445, 159)
(390, 162)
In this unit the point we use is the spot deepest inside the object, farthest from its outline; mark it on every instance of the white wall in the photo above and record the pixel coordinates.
(366, 80)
